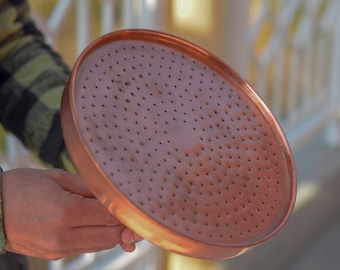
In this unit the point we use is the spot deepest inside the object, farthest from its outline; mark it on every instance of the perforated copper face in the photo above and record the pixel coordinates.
(177, 145)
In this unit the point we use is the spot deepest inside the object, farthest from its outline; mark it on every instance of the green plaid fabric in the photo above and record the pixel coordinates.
(32, 79)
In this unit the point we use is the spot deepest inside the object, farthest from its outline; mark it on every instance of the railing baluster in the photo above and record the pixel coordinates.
(58, 14)
(128, 14)
(107, 15)
(333, 132)
(83, 18)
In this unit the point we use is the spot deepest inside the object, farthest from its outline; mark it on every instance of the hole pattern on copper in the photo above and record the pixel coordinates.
(181, 143)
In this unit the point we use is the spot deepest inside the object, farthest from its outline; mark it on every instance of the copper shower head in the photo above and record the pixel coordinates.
(177, 145)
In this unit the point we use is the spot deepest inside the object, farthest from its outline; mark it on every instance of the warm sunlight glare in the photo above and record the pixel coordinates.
(195, 15)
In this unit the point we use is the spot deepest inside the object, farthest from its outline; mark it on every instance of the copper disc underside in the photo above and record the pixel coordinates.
(183, 138)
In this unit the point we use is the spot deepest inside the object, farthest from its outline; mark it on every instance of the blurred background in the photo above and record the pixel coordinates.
(289, 51)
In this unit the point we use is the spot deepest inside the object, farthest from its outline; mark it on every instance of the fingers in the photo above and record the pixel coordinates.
(129, 239)
(128, 247)
(129, 236)
(70, 182)
(72, 242)
(99, 238)
(92, 213)
(85, 212)
(91, 239)
(83, 208)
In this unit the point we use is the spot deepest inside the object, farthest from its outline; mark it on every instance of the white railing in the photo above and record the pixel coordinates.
(297, 70)
(289, 52)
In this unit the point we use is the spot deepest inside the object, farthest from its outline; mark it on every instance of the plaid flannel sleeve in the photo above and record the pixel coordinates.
(32, 79)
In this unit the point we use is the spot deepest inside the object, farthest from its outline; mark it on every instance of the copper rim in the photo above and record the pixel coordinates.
(177, 145)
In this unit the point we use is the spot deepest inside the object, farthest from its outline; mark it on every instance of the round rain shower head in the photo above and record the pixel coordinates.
(177, 145)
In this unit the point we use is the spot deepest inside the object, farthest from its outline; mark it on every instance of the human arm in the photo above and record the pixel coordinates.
(32, 79)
